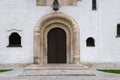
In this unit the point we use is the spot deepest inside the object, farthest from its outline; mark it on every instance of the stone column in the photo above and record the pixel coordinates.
(75, 2)
(76, 58)
(36, 47)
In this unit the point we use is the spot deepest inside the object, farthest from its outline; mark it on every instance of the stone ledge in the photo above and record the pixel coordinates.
(107, 65)
(11, 66)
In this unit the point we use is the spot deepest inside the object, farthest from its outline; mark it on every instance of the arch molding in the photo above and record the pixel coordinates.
(57, 20)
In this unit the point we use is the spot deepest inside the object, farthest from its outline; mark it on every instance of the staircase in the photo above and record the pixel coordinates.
(57, 70)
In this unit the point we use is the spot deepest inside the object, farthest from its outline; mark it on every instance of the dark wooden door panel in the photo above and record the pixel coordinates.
(51, 47)
(57, 46)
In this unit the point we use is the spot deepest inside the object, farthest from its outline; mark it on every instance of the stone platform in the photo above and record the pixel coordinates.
(57, 70)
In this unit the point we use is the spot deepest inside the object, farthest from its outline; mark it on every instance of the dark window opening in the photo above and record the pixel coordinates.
(94, 5)
(90, 42)
(118, 30)
(14, 40)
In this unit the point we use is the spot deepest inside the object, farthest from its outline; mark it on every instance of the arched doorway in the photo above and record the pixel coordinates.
(56, 40)
(52, 21)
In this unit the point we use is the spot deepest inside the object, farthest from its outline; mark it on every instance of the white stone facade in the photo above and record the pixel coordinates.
(21, 16)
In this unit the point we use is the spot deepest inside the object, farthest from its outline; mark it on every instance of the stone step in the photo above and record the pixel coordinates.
(57, 70)
(56, 67)
(57, 73)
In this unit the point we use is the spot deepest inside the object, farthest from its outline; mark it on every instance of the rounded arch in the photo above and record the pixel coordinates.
(57, 20)
(118, 30)
(14, 40)
(90, 42)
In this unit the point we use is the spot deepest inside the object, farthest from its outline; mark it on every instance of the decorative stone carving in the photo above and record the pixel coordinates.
(62, 2)
(57, 20)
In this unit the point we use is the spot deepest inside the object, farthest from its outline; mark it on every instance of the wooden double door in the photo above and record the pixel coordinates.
(56, 40)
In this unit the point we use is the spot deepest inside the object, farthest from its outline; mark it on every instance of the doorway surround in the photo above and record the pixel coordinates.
(51, 21)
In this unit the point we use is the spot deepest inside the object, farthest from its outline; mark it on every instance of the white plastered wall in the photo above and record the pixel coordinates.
(101, 25)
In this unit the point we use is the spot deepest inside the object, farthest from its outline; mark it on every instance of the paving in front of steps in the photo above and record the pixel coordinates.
(57, 72)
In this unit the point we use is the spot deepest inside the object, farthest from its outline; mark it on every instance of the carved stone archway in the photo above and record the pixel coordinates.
(57, 20)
